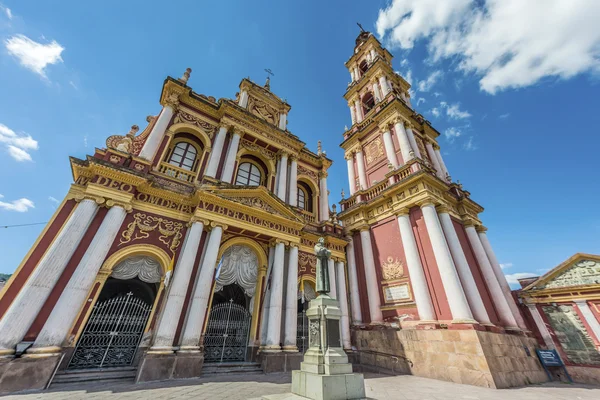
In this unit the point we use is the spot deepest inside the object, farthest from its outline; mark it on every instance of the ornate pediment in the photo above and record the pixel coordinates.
(582, 272)
(263, 110)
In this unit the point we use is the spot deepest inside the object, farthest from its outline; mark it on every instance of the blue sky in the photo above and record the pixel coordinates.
(512, 86)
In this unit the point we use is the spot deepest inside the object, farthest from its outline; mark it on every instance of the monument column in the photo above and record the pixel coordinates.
(434, 160)
(541, 325)
(282, 181)
(197, 309)
(442, 165)
(158, 130)
(27, 304)
(371, 276)
(353, 282)
(165, 333)
(332, 279)
(352, 113)
(358, 111)
(413, 142)
(266, 300)
(415, 269)
(506, 315)
(230, 157)
(351, 176)
(293, 196)
(403, 141)
(343, 300)
(215, 154)
(324, 196)
(275, 305)
(463, 269)
(291, 301)
(389, 147)
(56, 328)
(500, 276)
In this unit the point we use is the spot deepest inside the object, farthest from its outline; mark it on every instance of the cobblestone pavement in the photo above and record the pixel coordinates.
(237, 387)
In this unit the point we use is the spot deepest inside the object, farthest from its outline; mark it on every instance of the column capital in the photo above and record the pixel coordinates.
(323, 174)
(215, 224)
(282, 153)
(284, 242)
(172, 100)
(363, 228)
(480, 229)
(292, 244)
(425, 203)
(349, 155)
(443, 209)
(227, 126)
(116, 203)
(293, 157)
(402, 211)
(99, 200)
(408, 125)
(203, 221)
(469, 222)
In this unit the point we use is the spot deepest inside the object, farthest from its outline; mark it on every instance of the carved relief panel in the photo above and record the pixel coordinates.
(263, 110)
(374, 151)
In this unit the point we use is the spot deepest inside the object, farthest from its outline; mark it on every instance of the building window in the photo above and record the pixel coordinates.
(368, 103)
(301, 198)
(248, 175)
(363, 66)
(183, 156)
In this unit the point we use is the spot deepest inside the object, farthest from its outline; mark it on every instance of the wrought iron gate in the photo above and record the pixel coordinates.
(302, 332)
(112, 333)
(226, 337)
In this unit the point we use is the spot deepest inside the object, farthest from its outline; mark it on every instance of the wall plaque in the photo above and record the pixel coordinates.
(396, 293)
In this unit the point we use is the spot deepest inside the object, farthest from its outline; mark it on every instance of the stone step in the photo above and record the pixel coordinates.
(125, 374)
(232, 368)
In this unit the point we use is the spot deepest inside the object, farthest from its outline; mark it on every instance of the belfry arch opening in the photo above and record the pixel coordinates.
(368, 102)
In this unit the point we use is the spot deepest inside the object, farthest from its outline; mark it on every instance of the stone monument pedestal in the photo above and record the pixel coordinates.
(325, 373)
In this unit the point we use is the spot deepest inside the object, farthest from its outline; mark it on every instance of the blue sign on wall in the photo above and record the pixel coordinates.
(549, 358)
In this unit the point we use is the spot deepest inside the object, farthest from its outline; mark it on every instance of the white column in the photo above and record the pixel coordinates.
(413, 141)
(157, 133)
(464, 271)
(56, 328)
(389, 148)
(324, 198)
(282, 183)
(215, 154)
(29, 301)
(353, 282)
(377, 91)
(500, 277)
(589, 317)
(343, 300)
(403, 141)
(266, 300)
(459, 307)
(442, 165)
(165, 333)
(332, 279)
(541, 325)
(384, 85)
(291, 302)
(415, 269)
(282, 121)
(373, 54)
(362, 175)
(230, 157)
(352, 79)
(435, 161)
(356, 73)
(243, 99)
(276, 188)
(358, 111)
(352, 113)
(275, 306)
(293, 195)
(371, 276)
(351, 177)
(204, 282)
(506, 315)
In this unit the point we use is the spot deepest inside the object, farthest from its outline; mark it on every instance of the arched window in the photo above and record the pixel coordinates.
(184, 156)
(248, 174)
(368, 102)
(301, 198)
(363, 66)
(305, 197)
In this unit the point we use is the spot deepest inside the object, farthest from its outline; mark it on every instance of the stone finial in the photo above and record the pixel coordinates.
(345, 128)
(133, 131)
(319, 148)
(448, 178)
(268, 83)
(186, 75)
(343, 194)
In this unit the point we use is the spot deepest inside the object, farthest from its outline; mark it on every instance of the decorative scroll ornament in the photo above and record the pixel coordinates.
(239, 265)
(263, 110)
(392, 269)
(256, 148)
(142, 225)
(307, 263)
(145, 268)
(374, 151)
(585, 272)
(305, 171)
(130, 143)
(187, 118)
(256, 203)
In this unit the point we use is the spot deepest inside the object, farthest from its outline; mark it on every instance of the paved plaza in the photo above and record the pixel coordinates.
(381, 387)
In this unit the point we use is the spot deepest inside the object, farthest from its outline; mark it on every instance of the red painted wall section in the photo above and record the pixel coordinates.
(360, 274)
(397, 146)
(432, 275)
(85, 308)
(476, 271)
(376, 172)
(44, 313)
(29, 265)
(387, 245)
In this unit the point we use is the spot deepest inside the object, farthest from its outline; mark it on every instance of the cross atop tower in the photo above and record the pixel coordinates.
(269, 75)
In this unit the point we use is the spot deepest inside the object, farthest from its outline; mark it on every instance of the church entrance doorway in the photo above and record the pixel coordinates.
(228, 328)
(117, 322)
(306, 293)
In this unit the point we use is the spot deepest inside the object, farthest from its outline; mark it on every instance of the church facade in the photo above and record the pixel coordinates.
(191, 243)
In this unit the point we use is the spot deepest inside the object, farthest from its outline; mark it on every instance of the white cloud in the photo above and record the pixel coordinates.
(506, 265)
(453, 111)
(7, 11)
(18, 146)
(21, 205)
(437, 94)
(469, 145)
(427, 84)
(33, 55)
(404, 62)
(507, 43)
(435, 112)
(504, 116)
(452, 133)
(53, 199)
(421, 100)
(513, 279)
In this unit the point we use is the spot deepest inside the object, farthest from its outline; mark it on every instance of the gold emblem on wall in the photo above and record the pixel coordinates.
(392, 269)
(374, 151)
(142, 225)
(263, 110)
(306, 263)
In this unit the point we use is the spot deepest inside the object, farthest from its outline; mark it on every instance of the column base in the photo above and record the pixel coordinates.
(161, 350)
(189, 350)
(38, 352)
(7, 353)
(271, 349)
(290, 349)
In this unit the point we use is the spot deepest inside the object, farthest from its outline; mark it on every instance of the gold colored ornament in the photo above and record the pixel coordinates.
(143, 224)
(392, 269)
